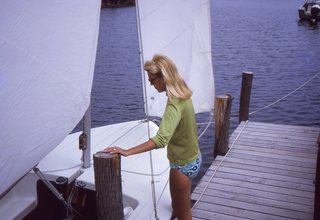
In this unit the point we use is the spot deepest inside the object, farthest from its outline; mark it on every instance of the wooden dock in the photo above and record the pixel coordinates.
(269, 173)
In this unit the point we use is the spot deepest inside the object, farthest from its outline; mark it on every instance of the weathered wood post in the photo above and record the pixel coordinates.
(222, 117)
(316, 214)
(107, 172)
(245, 96)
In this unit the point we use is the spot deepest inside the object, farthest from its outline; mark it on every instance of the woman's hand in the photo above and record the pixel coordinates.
(146, 146)
(116, 150)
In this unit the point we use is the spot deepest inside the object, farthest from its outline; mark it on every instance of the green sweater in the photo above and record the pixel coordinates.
(178, 131)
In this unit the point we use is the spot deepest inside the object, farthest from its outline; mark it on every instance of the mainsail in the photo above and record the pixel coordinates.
(181, 29)
(47, 58)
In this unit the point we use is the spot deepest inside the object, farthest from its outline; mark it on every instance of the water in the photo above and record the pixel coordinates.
(264, 37)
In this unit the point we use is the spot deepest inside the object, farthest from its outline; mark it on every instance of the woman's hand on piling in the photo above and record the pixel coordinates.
(116, 150)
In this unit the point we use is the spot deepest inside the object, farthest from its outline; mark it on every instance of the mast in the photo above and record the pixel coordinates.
(86, 150)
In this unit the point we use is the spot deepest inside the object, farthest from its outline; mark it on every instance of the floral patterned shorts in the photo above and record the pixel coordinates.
(190, 169)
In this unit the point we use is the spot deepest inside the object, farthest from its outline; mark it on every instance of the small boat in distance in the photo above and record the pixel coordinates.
(116, 3)
(310, 11)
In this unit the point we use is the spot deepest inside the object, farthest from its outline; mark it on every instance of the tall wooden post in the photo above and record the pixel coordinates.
(107, 170)
(222, 117)
(245, 96)
(316, 214)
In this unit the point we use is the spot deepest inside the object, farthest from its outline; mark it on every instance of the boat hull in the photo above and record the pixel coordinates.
(31, 199)
(309, 11)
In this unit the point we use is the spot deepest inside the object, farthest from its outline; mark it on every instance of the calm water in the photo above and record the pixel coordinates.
(264, 37)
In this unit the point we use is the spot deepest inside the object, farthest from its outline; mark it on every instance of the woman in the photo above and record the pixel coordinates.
(177, 131)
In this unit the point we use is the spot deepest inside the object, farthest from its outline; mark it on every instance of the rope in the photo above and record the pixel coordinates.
(145, 174)
(273, 103)
(122, 136)
(63, 169)
(56, 193)
(209, 181)
(235, 116)
(207, 126)
(153, 188)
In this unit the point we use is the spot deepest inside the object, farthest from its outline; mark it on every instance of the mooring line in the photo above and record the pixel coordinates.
(290, 93)
(269, 105)
(209, 181)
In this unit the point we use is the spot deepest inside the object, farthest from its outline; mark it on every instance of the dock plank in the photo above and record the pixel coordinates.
(250, 141)
(252, 192)
(262, 201)
(268, 174)
(259, 180)
(268, 169)
(260, 211)
(259, 163)
(263, 149)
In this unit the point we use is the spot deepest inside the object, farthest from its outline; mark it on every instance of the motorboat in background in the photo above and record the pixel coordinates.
(117, 3)
(310, 11)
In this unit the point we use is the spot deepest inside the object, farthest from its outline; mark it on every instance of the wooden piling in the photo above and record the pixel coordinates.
(316, 214)
(222, 118)
(108, 186)
(245, 96)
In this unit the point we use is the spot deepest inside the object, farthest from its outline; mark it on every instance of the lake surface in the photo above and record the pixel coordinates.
(263, 37)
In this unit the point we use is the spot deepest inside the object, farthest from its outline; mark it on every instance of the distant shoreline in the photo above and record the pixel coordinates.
(117, 3)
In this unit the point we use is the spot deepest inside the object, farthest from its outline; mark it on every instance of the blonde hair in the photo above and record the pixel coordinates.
(163, 66)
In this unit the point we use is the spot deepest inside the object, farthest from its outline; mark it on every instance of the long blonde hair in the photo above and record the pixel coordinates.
(163, 66)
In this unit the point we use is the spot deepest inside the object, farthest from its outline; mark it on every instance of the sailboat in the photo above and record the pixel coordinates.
(47, 58)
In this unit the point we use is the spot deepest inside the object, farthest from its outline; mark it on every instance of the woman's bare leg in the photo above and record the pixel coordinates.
(180, 187)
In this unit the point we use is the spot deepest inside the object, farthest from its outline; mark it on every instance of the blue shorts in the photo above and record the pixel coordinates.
(190, 169)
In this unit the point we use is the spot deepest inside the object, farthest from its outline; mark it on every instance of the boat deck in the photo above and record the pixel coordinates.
(269, 173)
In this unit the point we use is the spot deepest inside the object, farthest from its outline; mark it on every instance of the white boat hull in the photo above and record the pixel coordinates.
(65, 161)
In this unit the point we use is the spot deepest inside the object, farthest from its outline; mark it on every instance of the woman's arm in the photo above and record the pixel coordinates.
(146, 146)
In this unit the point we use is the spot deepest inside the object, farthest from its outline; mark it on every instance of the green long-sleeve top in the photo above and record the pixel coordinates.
(178, 131)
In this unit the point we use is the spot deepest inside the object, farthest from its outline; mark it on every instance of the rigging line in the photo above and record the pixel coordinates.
(144, 174)
(233, 117)
(258, 110)
(205, 123)
(153, 187)
(165, 186)
(55, 192)
(70, 198)
(153, 10)
(72, 192)
(63, 169)
(213, 122)
(207, 126)
(122, 135)
(146, 106)
(80, 164)
(225, 156)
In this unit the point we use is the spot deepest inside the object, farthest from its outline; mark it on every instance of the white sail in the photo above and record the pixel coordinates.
(180, 29)
(47, 58)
